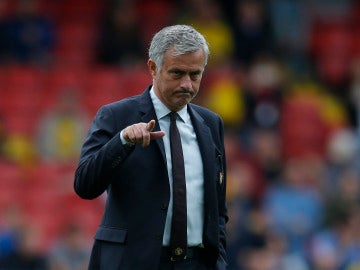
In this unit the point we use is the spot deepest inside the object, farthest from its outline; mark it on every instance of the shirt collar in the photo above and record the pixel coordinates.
(161, 110)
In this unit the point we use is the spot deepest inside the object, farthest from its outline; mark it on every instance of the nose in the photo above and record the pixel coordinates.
(186, 82)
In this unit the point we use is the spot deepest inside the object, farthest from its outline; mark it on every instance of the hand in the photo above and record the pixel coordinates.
(142, 133)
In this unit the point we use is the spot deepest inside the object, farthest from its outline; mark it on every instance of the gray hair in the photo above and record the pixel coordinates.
(183, 38)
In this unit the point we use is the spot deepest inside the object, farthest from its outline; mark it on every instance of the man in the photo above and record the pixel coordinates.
(128, 153)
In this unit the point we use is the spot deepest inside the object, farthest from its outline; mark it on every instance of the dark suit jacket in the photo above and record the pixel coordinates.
(137, 184)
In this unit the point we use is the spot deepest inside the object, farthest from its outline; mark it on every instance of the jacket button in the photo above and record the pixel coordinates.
(164, 206)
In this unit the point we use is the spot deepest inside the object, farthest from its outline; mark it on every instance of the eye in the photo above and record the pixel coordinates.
(195, 76)
(177, 73)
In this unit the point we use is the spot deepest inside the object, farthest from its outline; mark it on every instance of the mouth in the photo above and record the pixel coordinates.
(184, 92)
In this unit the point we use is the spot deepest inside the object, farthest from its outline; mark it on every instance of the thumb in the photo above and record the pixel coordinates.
(150, 125)
(154, 135)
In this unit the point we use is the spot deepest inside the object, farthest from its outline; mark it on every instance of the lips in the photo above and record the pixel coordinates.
(183, 92)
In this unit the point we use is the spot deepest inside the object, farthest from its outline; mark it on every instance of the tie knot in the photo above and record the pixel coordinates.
(173, 116)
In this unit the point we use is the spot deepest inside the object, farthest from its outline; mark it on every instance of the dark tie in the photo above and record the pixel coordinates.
(178, 239)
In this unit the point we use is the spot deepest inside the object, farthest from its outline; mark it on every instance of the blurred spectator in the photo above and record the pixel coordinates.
(250, 237)
(120, 42)
(290, 23)
(16, 147)
(224, 95)
(349, 187)
(337, 245)
(71, 253)
(29, 33)
(27, 255)
(263, 95)
(62, 130)
(11, 223)
(293, 206)
(258, 258)
(207, 17)
(244, 187)
(20, 149)
(309, 116)
(259, 248)
(251, 31)
(342, 154)
(277, 246)
(266, 149)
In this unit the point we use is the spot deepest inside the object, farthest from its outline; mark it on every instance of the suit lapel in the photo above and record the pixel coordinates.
(207, 150)
(205, 141)
(148, 113)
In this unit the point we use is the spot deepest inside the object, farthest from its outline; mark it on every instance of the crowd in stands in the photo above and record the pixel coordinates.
(283, 74)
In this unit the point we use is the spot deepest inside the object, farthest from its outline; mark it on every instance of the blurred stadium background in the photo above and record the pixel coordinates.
(283, 74)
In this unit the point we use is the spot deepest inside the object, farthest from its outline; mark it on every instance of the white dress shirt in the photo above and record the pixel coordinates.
(193, 172)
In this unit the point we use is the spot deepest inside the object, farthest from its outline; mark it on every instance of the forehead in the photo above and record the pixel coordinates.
(193, 60)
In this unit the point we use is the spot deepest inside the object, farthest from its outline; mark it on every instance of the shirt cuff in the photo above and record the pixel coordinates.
(125, 142)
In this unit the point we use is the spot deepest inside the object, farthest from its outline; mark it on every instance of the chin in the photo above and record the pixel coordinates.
(179, 105)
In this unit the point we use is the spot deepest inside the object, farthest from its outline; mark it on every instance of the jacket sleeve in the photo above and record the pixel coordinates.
(101, 154)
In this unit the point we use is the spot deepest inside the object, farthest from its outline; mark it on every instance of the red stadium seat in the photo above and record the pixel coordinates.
(104, 85)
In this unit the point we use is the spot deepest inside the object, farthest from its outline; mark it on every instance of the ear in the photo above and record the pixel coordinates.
(152, 67)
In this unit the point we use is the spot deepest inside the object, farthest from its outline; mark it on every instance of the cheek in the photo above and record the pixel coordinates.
(196, 86)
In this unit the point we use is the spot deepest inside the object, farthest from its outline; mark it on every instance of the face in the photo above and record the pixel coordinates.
(179, 80)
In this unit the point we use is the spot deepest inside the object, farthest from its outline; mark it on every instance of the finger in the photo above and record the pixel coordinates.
(134, 133)
(140, 132)
(130, 135)
(150, 125)
(145, 138)
(152, 136)
(156, 135)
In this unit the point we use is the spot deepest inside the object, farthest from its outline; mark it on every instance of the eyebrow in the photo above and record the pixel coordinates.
(195, 72)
